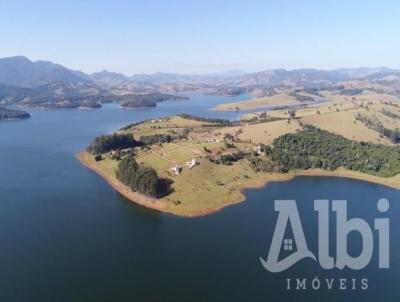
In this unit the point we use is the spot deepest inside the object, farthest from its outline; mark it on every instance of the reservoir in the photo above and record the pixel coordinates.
(67, 236)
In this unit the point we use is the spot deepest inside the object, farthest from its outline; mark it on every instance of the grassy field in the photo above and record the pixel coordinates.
(284, 98)
(196, 191)
(260, 132)
(339, 117)
(344, 123)
(203, 189)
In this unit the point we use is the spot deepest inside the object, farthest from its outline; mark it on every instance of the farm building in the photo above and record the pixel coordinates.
(191, 163)
(177, 169)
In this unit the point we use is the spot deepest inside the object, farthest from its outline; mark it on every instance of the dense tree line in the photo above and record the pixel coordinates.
(300, 97)
(262, 118)
(316, 148)
(227, 159)
(393, 135)
(390, 114)
(375, 124)
(106, 143)
(139, 178)
(351, 91)
(155, 139)
(221, 122)
(265, 165)
(310, 90)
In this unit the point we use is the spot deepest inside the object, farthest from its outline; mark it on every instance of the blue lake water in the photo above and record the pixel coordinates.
(67, 236)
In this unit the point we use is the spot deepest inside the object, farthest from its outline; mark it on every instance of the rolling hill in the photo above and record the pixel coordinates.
(46, 84)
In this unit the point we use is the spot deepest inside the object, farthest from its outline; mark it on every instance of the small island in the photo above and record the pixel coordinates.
(13, 114)
(145, 100)
(67, 104)
(191, 166)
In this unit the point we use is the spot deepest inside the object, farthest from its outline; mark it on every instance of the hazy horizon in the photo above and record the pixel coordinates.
(204, 73)
(182, 37)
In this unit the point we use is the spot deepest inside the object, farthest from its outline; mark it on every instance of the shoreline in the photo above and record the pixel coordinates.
(143, 200)
(263, 180)
(14, 119)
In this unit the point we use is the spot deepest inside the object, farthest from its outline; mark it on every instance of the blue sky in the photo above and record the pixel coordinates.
(202, 36)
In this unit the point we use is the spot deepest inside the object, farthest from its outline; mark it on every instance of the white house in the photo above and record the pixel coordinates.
(176, 169)
(257, 149)
(191, 163)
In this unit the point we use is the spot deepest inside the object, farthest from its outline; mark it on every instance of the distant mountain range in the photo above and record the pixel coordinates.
(267, 78)
(19, 71)
(44, 83)
(239, 82)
